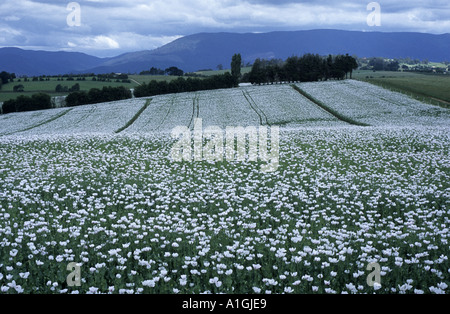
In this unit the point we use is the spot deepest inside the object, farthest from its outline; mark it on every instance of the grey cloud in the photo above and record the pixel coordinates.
(142, 24)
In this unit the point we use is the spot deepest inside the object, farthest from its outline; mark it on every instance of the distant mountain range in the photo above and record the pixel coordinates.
(28, 62)
(208, 50)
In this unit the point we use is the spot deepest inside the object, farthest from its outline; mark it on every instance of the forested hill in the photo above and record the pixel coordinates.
(208, 50)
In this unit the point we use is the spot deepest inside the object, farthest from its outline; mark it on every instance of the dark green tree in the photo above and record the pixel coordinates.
(18, 88)
(75, 88)
(257, 74)
(5, 77)
(350, 65)
(95, 95)
(41, 101)
(377, 64)
(392, 66)
(77, 99)
(339, 68)
(236, 63)
(24, 103)
(174, 71)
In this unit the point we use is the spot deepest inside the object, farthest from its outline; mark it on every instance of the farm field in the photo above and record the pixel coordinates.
(48, 87)
(96, 185)
(374, 105)
(432, 89)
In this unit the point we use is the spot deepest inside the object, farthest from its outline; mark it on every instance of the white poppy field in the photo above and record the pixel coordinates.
(75, 190)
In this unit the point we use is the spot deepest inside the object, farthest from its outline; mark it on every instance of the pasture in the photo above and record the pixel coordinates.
(430, 88)
(49, 87)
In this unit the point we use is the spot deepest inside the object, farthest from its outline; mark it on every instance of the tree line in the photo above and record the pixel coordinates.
(6, 77)
(25, 103)
(95, 96)
(43, 101)
(181, 85)
(308, 68)
(172, 71)
(380, 64)
(65, 89)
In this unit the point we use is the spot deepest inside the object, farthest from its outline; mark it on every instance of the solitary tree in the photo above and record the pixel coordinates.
(350, 65)
(236, 63)
(174, 71)
(18, 88)
(4, 77)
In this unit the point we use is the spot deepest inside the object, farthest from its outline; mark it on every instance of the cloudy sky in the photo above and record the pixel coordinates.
(112, 27)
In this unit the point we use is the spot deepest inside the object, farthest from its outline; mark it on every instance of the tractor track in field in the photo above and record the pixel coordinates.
(195, 111)
(136, 116)
(331, 111)
(85, 116)
(374, 94)
(262, 116)
(172, 102)
(41, 123)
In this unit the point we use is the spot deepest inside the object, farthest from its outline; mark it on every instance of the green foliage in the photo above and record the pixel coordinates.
(308, 68)
(181, 85)
(24, 103)
(64, 89)
(174, 71)
(257, 73)
(77, 99)
(18, 88)
(9, 106)
(61, 89)
(236, 66)
(153, 71)
(380, 64)
(75, 88)
(6, 77)
(95, 96)
(108, 77)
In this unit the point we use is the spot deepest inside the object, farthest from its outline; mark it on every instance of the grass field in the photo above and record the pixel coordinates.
(48, 87)
(430, 88)
(96, 185)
